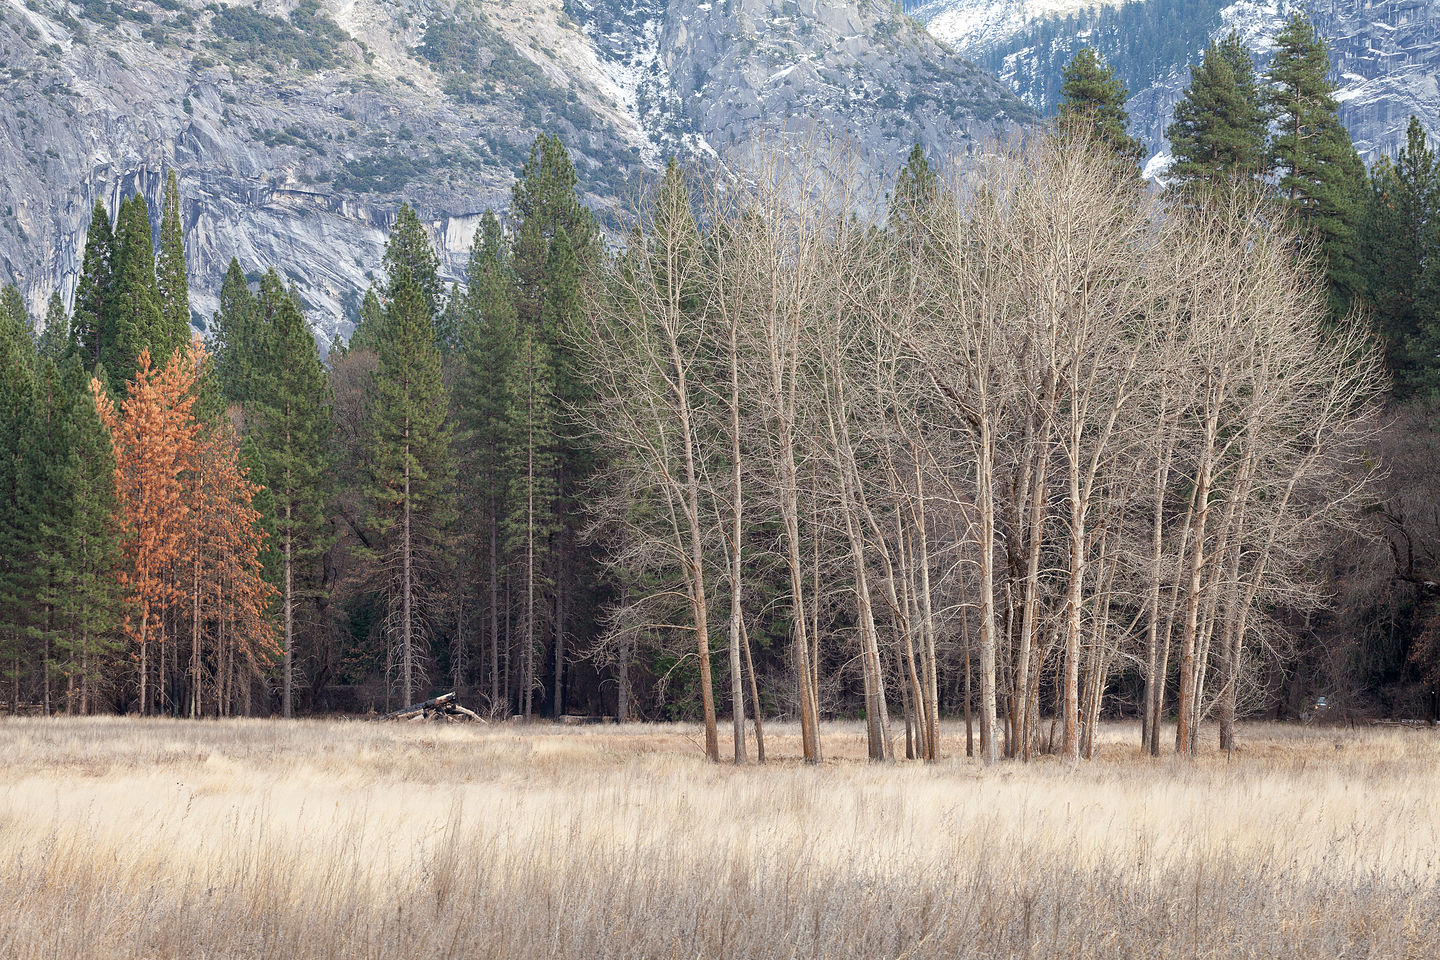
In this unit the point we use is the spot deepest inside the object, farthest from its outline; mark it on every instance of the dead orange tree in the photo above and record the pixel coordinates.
(154, 433)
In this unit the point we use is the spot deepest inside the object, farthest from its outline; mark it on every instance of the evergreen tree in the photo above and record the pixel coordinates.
(54, 340)
(369, 323)
(544, 202)
(93, 292)
(291, 436)
(916, 189)
(1321, 178)
(1395, 236)
(171, 285)
(534, 499)
(235, 334)
(92, 608)
(556, 249)
(411, 476)
(17, 373)
(486, 399)
(132, 307)
(1218, 136)
(48, 497)
(409, 254)
(1092, 101)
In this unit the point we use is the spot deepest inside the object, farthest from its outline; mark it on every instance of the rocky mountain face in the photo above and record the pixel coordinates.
(1385, 53)
(298, 126)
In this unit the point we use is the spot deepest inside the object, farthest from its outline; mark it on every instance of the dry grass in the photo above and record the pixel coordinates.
(122, 838)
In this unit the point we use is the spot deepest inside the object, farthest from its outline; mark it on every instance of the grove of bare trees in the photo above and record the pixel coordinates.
(1031, 430)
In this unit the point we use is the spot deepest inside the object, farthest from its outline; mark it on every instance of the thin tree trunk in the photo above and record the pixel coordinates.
(754, 695)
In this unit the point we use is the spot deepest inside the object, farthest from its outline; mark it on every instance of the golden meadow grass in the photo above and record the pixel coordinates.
(258, 839)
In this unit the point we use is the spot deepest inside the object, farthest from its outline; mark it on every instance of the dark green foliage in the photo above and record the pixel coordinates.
(1141, 40)
(235, 337)
(17, 379)
(1219, 133)
(132, 305)
(54, 340)
(544, 202)
(1092, 102)
(290, 444)
(1321, 178)
(1396, 236)
(291, 424)
(87, 322)
(410, 260)
(410, 473)
(309, 40)
(369, 324)
(171, 285)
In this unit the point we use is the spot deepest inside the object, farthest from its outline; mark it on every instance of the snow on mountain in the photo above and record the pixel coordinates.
(297, 127)
(1385, 53)
(976, 24)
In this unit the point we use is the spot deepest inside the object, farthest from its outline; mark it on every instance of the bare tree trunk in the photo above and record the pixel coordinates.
(969, 725)
(754, 696)
(989, 748)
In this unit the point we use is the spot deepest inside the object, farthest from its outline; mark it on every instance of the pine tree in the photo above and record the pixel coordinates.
(916, 189)
(486, 397)
(534, 497)
(409, 253)
(226, 595)
(1321, 178)
(93, 292)
(171, 285)
(235, 336)
(411, 476)
(54, 341)
(1092, 101)
(17, 378)
(1218, 136)
(1395, 236)
(132, 306)
(369, 323)
(543, 202)
(47, 497)
(92, 609)
(292, 433)
(556, 249)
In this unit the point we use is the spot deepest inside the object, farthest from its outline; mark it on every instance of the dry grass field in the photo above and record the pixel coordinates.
(260, 839)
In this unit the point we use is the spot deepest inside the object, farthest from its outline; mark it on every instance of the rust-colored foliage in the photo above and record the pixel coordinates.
(191, 535)
(154, 431)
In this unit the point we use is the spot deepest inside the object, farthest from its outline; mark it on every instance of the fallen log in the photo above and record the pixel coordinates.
(419, 709)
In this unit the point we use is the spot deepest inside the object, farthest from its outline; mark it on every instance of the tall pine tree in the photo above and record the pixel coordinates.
(292, 430)
(17, 535)
(1396, 235)
(1092, 102)
(235, 337)
(1219, 133)
(172, 288)
(556, 249)
(487, 402)
(1321, 178)
(132, 305)
(411, 475)
(87, 322)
